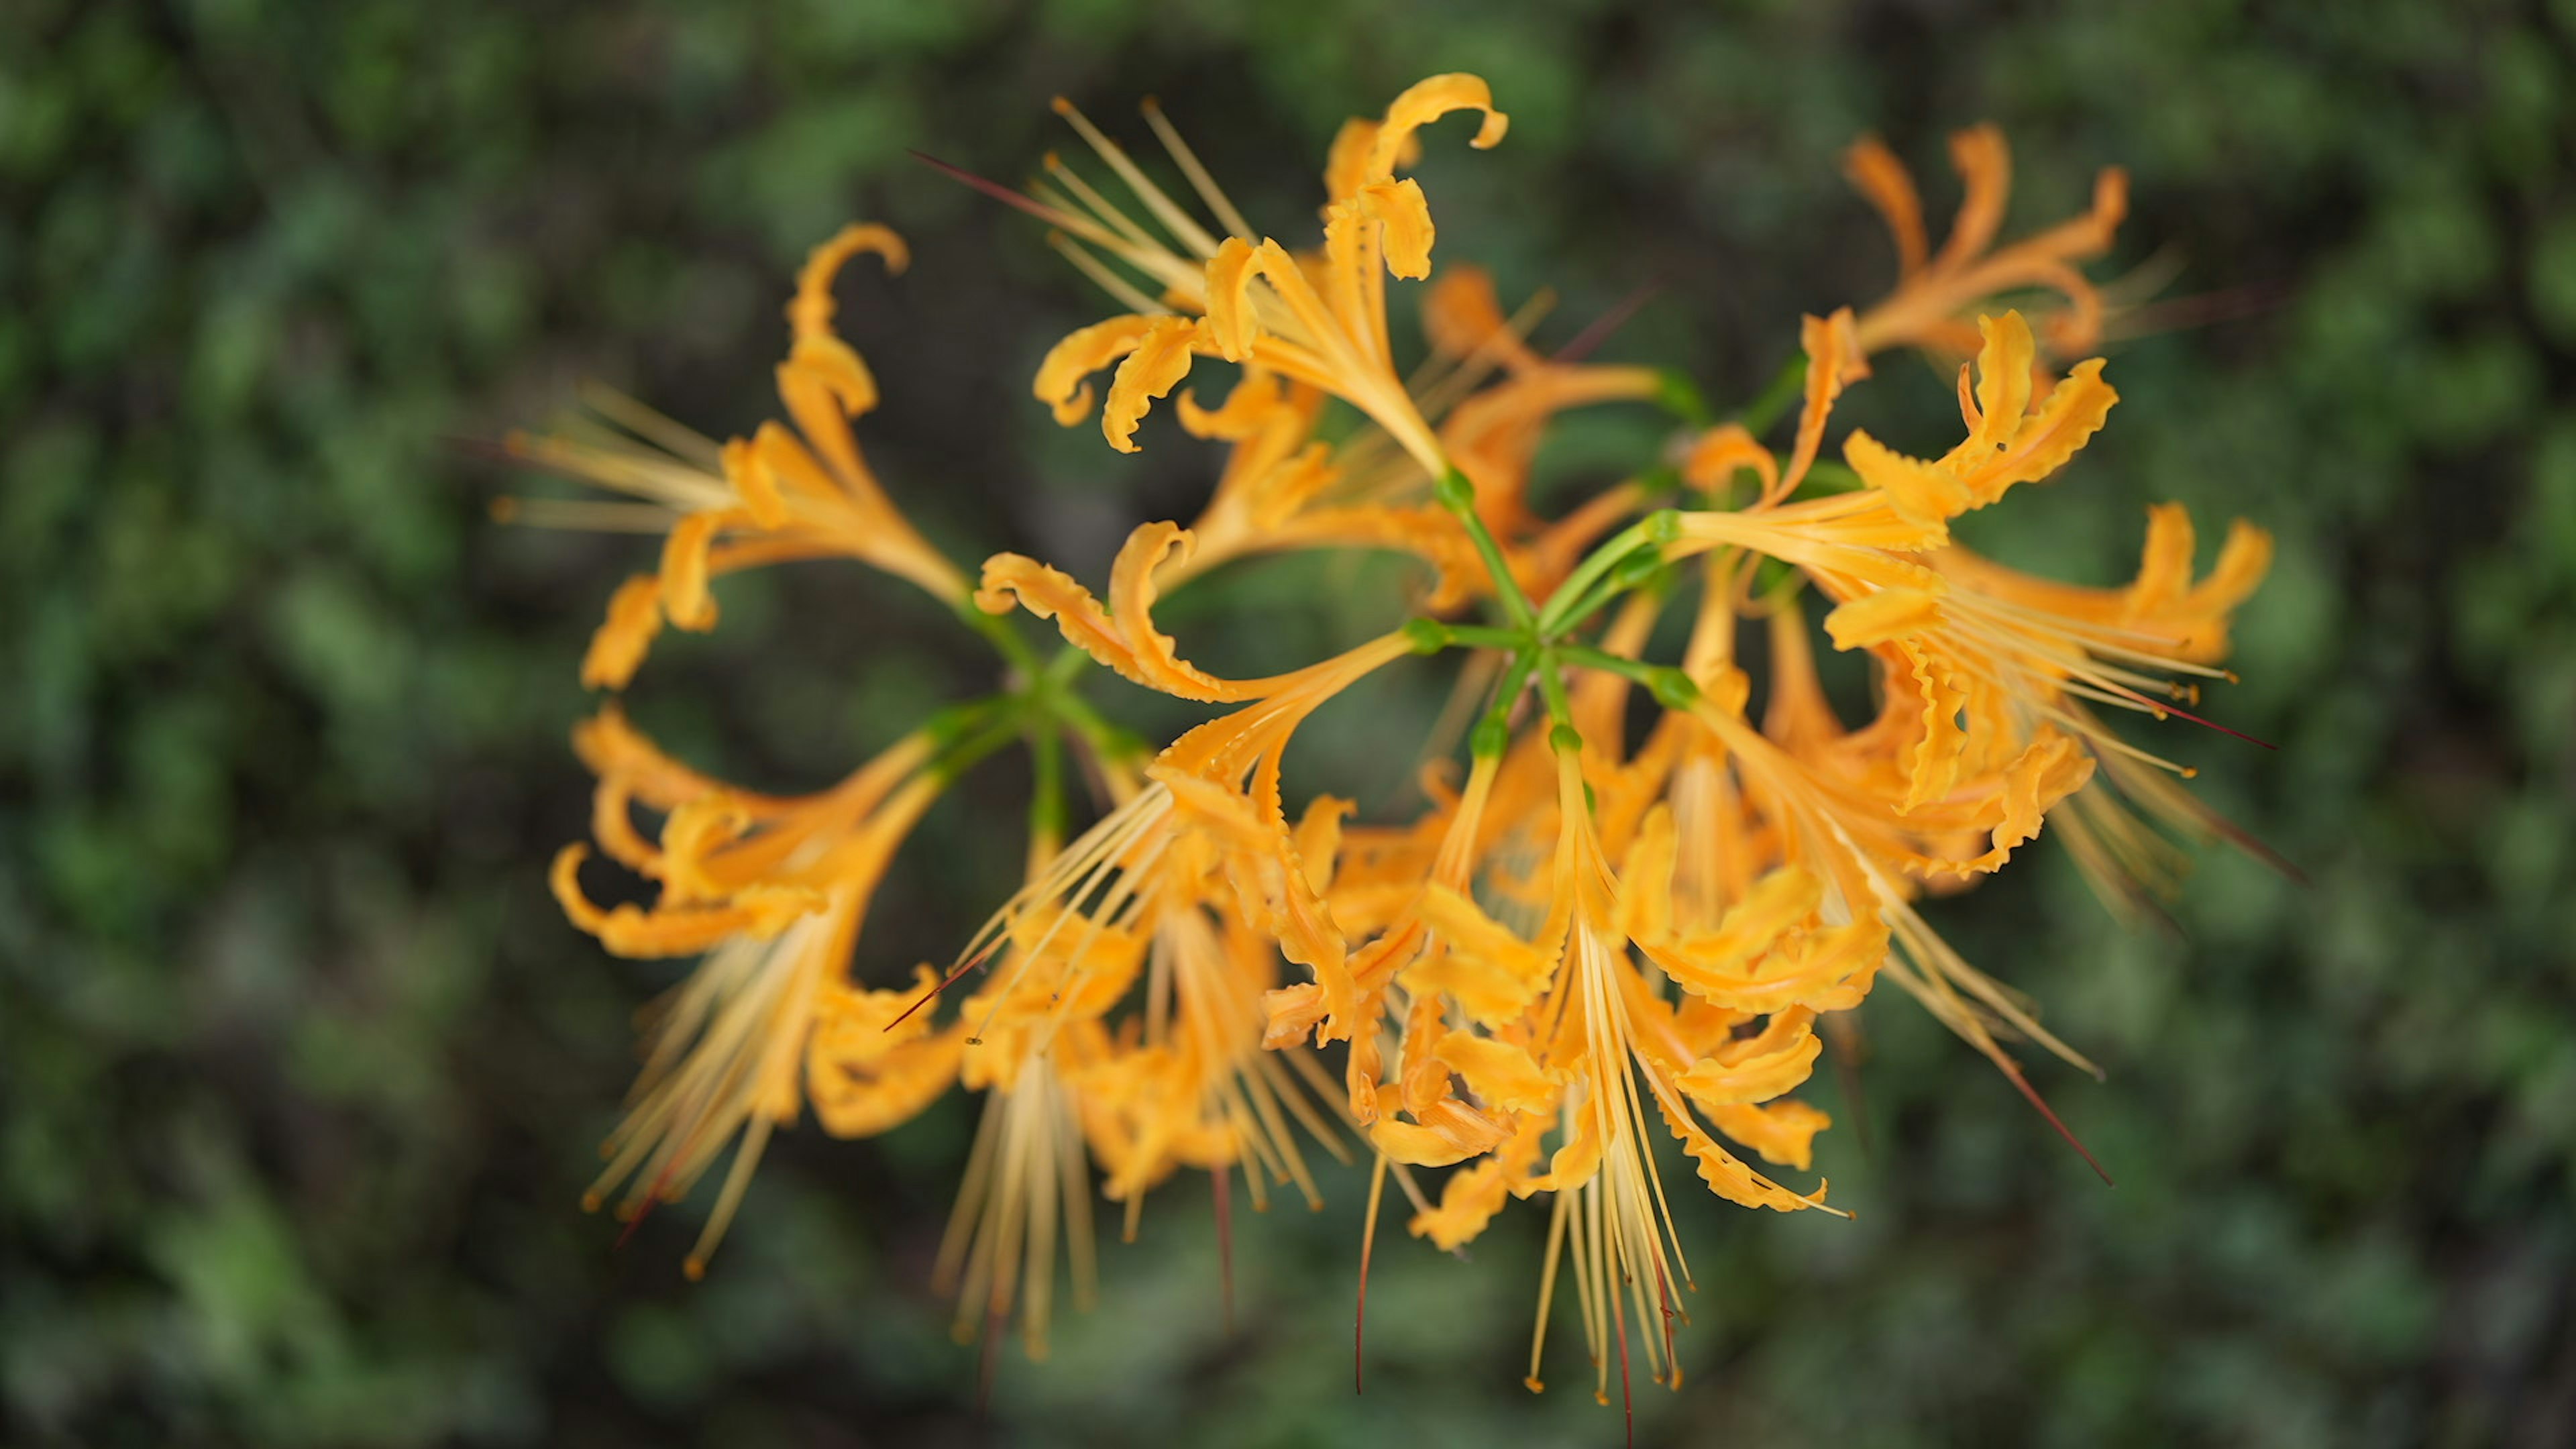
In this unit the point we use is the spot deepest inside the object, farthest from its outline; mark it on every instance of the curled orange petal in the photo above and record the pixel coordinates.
(1060, 381)
(1881, 615)
(810, 313)
(1406, 214)
(1160, 359)
(1713, 460)
(618, 646)
(1231, 324)
(685, 599)
(1834, 360)
(1880, 177)
(1426, 101)
(1122, 636)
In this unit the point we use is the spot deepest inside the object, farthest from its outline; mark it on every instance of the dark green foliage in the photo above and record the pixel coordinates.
(300, 1068)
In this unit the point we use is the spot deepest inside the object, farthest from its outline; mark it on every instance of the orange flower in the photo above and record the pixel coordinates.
(1936, 296)
(1631, 914)
(1595, 1042)
(771, 892)
(1320, 322)
(1306, 326)
(778, 495)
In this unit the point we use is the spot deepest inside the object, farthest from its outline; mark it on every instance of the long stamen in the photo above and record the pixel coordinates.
(589, 515)
(1200, 180)
(1052, 216)
(1368, 1245)
(1189, 233)
(1119, 289)
(1139, 241)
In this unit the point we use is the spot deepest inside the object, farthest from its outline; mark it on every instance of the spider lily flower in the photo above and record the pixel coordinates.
(1315, 320)
(1308, 326)
(1197, 1090)
(1179, 1080)
(1987, 723)
(1936, 296)
(1035, 1042)
(1982, 642)
(1596, 1046)
(1578, 943)
(781, 494)
(1221, 778)
(1281, 489)
(1027, 1190)
(1826, 814)
(1321, 322)
(873, 1063)
(1376, 883)
(1975, 626)
(771, 893)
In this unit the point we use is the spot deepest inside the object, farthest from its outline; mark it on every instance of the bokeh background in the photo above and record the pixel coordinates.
(300, 1072)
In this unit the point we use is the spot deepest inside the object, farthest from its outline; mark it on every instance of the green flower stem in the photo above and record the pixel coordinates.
(1627, 560)
(1046, 768)
(1064, 668)
(1493, 733)
(1551, 687)
(1679, 396)
(1672, 687)
(1481, 636)
(1774, 400)
(974, 731)
(997, 631)
(1111, 742)
(1459, 496)
(1574, 599)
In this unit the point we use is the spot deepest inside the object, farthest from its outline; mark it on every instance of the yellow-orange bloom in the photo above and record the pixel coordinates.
(1593, 1032)
(1320, 321)
(1619, 921)
(771, 892)
(1937, 296)
(781, 494)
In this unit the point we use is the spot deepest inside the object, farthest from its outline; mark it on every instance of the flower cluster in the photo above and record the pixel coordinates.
(1597, 934)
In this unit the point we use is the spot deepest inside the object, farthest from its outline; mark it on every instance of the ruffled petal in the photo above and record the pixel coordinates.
(1715, 457)
(1426, 101)
(1984, 163)
(1406, 214)
(1160, 359)
(1061, 375)
(1230, 321)
(618, 646)
(1883, 179)
(1883, 615)
(1775, 1062)
(1834, 360)
(628, 930)
(1504, 1077)
(686, 601)
(1122, 636)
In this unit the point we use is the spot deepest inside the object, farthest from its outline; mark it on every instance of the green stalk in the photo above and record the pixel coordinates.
(985, 731)
(1560, 707)
(1672, 687)
(1774, 400)
(1109, 741)
(1459, 496)
(1493, 732)
(1006, 641)
(1571, 595)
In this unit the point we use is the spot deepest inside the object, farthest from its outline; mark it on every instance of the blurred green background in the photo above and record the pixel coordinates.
(300, 1072)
